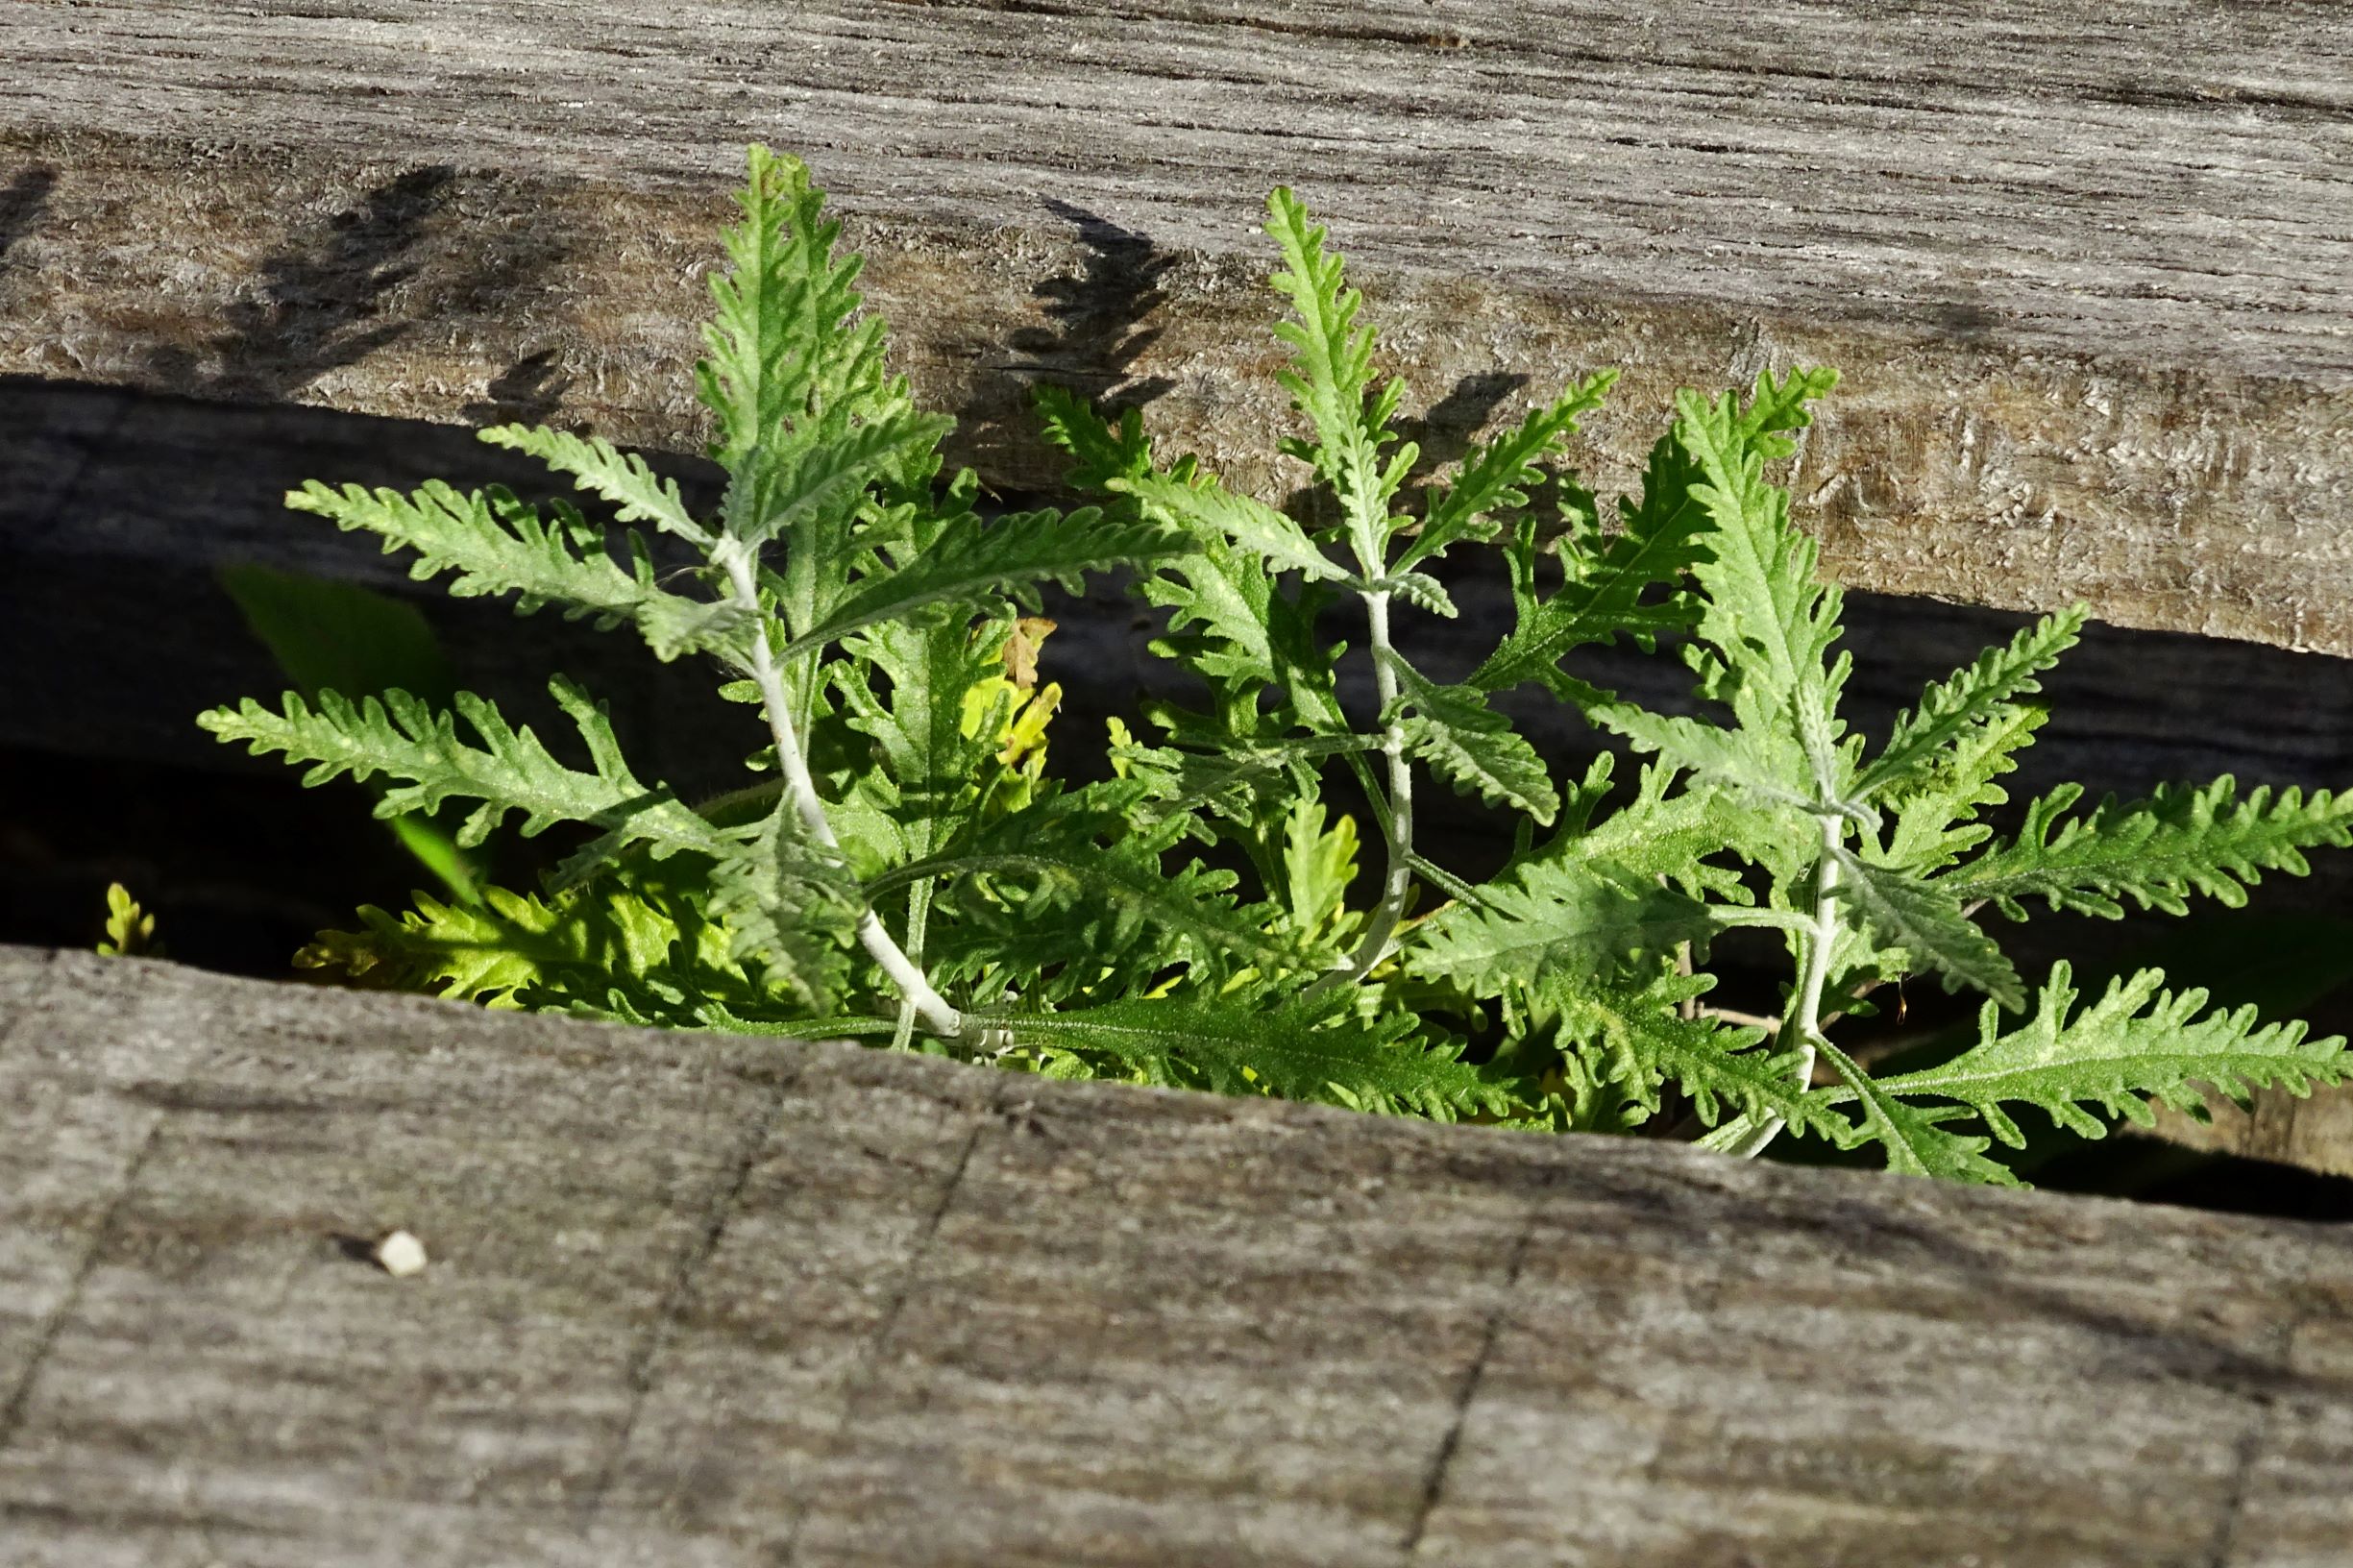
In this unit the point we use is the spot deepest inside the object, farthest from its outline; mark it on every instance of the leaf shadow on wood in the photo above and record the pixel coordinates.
(1879, 1245)
(528, 392)
(321, 302)
(339, 290)
(22, 203)
(1098, 315)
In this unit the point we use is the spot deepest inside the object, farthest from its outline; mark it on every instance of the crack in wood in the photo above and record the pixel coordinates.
(862, 1377)
(687, 1278)
(70, 1302)
(44, 981)
(2248, 1453)
(1441, 1463)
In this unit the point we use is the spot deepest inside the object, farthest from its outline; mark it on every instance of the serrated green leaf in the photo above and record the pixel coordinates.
(1057, 845)
(1916, 1143)
(971, 562)
(1925, 920)
(2182, 839)
(1645, 1041)
(497, 545)
(1181, 780)
(1625, 584)
(510, 770)
(2138, 1045)
(1936, 806)
(1768, 617)
(517, 949)
(1762, 763)
(600, 468)
(1550, 921)
(1300, 1050)
(1494, 477)
(1103, 451)
(1471, 746)
(1330, 379)
(1971, 697)
(1318, 865)
(1202, 506)
(781, 348)
(917, 729)
(819, 474)
(791, 906)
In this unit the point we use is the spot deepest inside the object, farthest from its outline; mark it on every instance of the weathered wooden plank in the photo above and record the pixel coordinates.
(594, 1166)
(2085, 264)
(713, 1302)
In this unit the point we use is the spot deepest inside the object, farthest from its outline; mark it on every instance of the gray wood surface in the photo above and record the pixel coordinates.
(2085, 264)
(707, 1301)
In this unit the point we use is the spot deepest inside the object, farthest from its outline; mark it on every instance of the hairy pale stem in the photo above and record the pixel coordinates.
(918, 916)
(1806, 1019)
(1379, 934)
(937, 1015)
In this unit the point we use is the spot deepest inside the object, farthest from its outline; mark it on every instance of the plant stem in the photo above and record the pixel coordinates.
(1399, 834)
(1732, 1015)
(937, 1015)
(918, 915)
(1805, 1018)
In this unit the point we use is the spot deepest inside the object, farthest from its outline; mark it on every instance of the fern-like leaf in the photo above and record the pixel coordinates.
(497, 545)
(789, 906)
(1549, 922)
(2137, 1046)
(1102, 451)
(971, 561)
(1612, 585)
(1330, 379)
(816, 475)
(1494, 477)
(1914, 1137)
(1974, 697)
(1925, 920)
(573, 951)
(1769, 619)
(1056, 845)
(2182, 839)
(1644, 1041)
(600, 468)
(1300, 1050)
(1471, 746)
(780, 346)
(510, 771)
(1205, 506)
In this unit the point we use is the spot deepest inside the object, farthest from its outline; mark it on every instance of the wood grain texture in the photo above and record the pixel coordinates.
(717, 1302)
(2085, 265)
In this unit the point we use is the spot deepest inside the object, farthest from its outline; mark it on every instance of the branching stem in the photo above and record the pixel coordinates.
(1806, 1019)
(937, 1015)
(1381, 931)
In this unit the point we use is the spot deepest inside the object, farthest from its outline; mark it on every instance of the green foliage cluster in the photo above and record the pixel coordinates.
(907, 870)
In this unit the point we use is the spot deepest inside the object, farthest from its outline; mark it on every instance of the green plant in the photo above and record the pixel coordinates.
(131, 930)
(909, 871)
(340, 637)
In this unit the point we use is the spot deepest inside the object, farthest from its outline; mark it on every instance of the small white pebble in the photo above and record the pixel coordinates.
(401, 1254)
